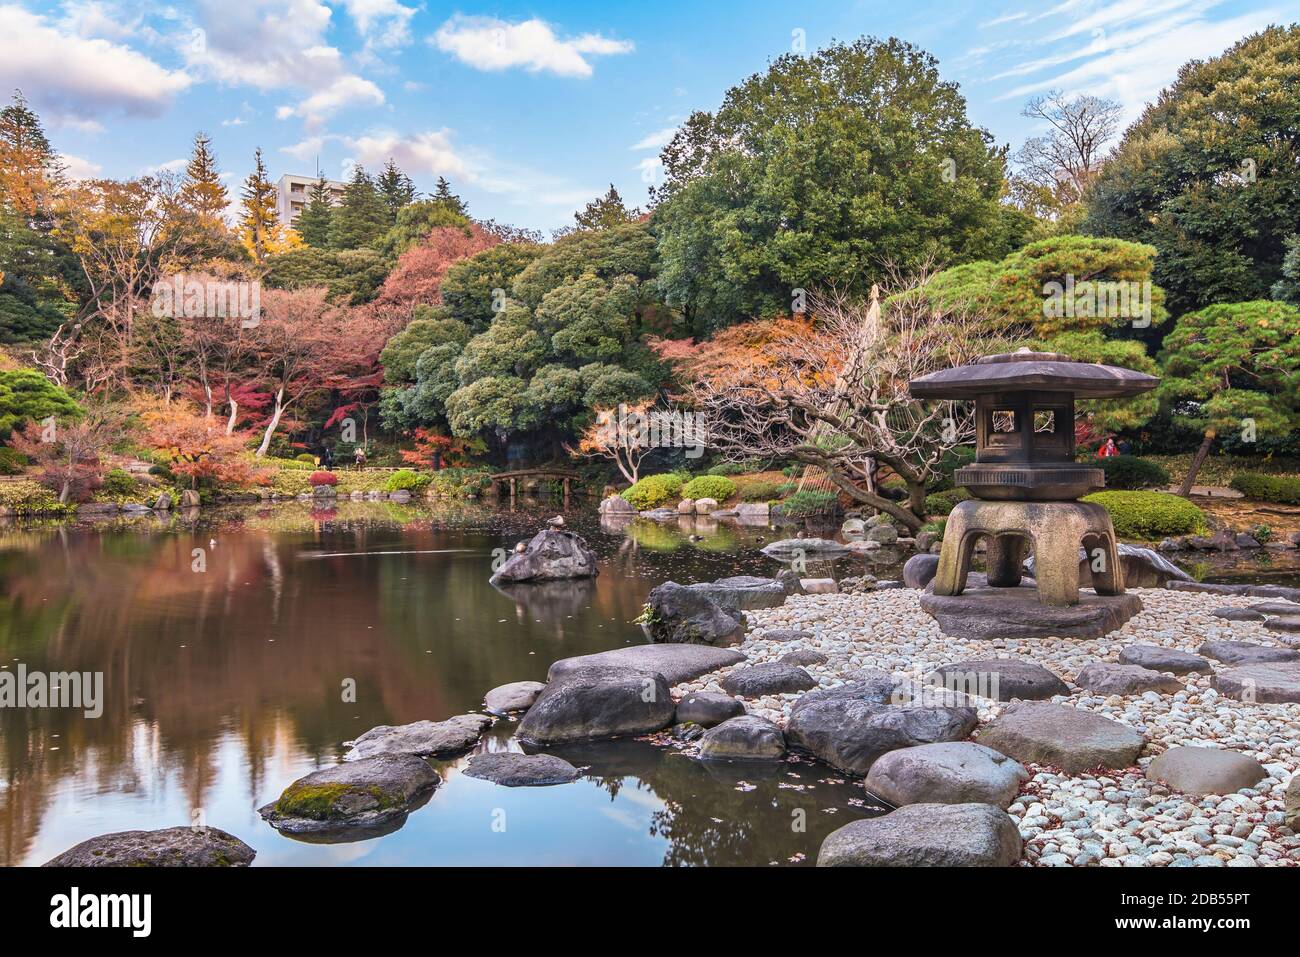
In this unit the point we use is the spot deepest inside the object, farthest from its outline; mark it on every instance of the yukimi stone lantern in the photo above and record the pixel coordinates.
(1026, 486)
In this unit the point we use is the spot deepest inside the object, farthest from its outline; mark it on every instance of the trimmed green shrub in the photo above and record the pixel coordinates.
(809, 502)
(1131, 472)
(1149, 515)
(297, 464)
(305, 457)
(654, 490)
(407, 480)
(119, 482)
(726, 468)
(1284, 489)
(941, 503)
(459, 482)
(29, 498)
(709, 486)
(762, 491)
(12, 461)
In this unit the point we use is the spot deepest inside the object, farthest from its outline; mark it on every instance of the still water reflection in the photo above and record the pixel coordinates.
(225, 642)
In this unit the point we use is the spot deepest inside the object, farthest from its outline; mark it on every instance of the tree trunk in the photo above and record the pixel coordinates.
(1197, 461)
(63, 493)
(234, 414)
(906, 516)
(271, 426)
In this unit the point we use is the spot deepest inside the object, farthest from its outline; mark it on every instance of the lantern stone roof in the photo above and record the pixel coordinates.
(1032, 371)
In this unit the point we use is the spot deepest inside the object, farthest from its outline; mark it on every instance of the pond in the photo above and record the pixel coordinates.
(226, 641)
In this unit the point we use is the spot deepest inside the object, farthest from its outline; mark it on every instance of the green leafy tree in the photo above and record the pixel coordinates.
(414, 222)
(1233, 368)
(817, 171)
(474, 289)
(589, 319)
(1288, 287)
(430, 328)
(1208, 174)
(27, 396)
(627, 250)
(361, 218)
(314, 220)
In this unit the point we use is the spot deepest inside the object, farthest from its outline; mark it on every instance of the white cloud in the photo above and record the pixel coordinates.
(656, 140)
(78, 168)
(430, 152)
(385, 24)
(75, 80)
(487, 43)
(93, 18)
(170, 166)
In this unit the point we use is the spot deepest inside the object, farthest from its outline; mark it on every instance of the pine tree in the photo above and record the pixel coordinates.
(203, 193)
(396, 189)
(362, 217)
(30, 172)
(314, 220)
(606, 211)
(442, 194)
(260, 221)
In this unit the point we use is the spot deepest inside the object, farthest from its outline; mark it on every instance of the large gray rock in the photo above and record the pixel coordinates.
(1293, 803)
(677, 663)
(1237, 614)
(743, 593)
(1274, 682)
(1287, 608)
(789, 548)
(598, 702)
(883, 533)
(515, 696)
(1104, 678)
(785, 634)
(1164, 659)
(168, 847)
(679, 614)
(1243, 652)
(1002, 679)
(851, 726)
(617, 505)
(439, 739)
(982, 613)
(1285, 592)
(746, 738)
(1286, 624)
(920, 570)
(514, 770)
(371, 793)
(1063, 737)
(1143, 568)
(1199, 771)
(803, 657)
(952, 772)
(550, 556)
(708, 708)
(926, 835)
(772, 677)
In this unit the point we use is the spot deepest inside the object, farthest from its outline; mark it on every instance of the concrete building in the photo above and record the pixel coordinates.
(292, 193)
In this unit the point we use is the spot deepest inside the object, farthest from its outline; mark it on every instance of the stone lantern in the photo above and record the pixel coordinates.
(1026, 486)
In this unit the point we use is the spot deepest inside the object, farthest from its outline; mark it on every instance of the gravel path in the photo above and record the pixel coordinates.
(1116, 819)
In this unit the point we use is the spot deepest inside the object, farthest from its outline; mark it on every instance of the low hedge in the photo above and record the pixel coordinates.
(1130, 472)
(761, 490)
(716, 487)
(1149, 515)
(809, 502)
(654, 490)
(1283, 489)
(26, 497)
(941, 503)
(407, 480)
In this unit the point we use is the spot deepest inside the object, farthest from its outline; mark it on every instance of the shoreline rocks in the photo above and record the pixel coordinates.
(437, 739)
(677, 663)
(681, 614)
(359, 795)
(514, 770)
(167, 847)
(1201, 771)
(1062, 737)
(954, 772)
(512, 697)
(926, 835)
(745, 738)
(595, 702)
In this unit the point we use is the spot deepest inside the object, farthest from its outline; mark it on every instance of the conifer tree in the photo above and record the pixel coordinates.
(259, 220)
(202, 192)
(605, 211)
(396, 189)
(314, 221)
(362, 217)
(442, 194)
(30, 171)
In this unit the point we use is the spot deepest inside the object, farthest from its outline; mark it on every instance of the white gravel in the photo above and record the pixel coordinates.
(1119, 819)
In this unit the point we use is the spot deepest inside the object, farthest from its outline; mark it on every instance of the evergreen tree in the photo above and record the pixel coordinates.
(362, 216)
(203, 193)
(606, 211)
(314, 220)
(29, 169)
(259, 221)
(442, 194)
(396, 189)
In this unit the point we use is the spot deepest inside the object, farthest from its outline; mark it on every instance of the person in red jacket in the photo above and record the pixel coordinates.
(1107, 449)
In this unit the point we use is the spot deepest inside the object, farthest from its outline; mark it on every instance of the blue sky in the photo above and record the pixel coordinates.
(531, 109)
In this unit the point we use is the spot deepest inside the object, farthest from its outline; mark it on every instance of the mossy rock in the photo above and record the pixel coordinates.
(369, 793)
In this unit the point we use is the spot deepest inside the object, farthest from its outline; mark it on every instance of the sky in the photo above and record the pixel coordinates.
(531, 110)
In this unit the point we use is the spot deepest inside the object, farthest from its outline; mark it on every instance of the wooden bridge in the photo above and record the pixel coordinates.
(544, 473)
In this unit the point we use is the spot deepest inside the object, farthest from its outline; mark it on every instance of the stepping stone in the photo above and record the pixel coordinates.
(513, 770)
(803, 657)
(1002, 679)
(1243, 652)
(796, 547)
(785, 634)
(743, 593)
(362, 795)
(168, 847)
(677, 663)
(1164, 659)
(515, 696)
(1277, 608)
(1108, 679)
(707, 708)
(1265, 682)
(926, 835)
(953, 772)
(1237, 614)
(1293, 803)
(773, 677)
(438, 739)
(588, 704)
(681, 614)
(1288, 624)
(1063, 737)
(1200, 771)
(747, 738)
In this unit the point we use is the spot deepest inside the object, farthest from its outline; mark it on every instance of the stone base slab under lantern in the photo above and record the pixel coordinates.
(986, 612)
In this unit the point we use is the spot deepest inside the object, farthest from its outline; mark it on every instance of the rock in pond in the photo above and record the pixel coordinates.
(1164, 659)
(595, 702)
(920, 570)
(926, 835)
(1200, 771)
(677, 663)
(747, 738)
(1063, 737)
(515, 696)
(168, 847)
(951, 772)
(1273, 682)
(772, 677)
(1243, 652)
(1002, 679)
(743, 593)
(552, 554)
(358, 795)
(438, 739)
(789, 548)
(1104, 678)
(617, 505)
(514, 770)
(708, 708)
(680, 614)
